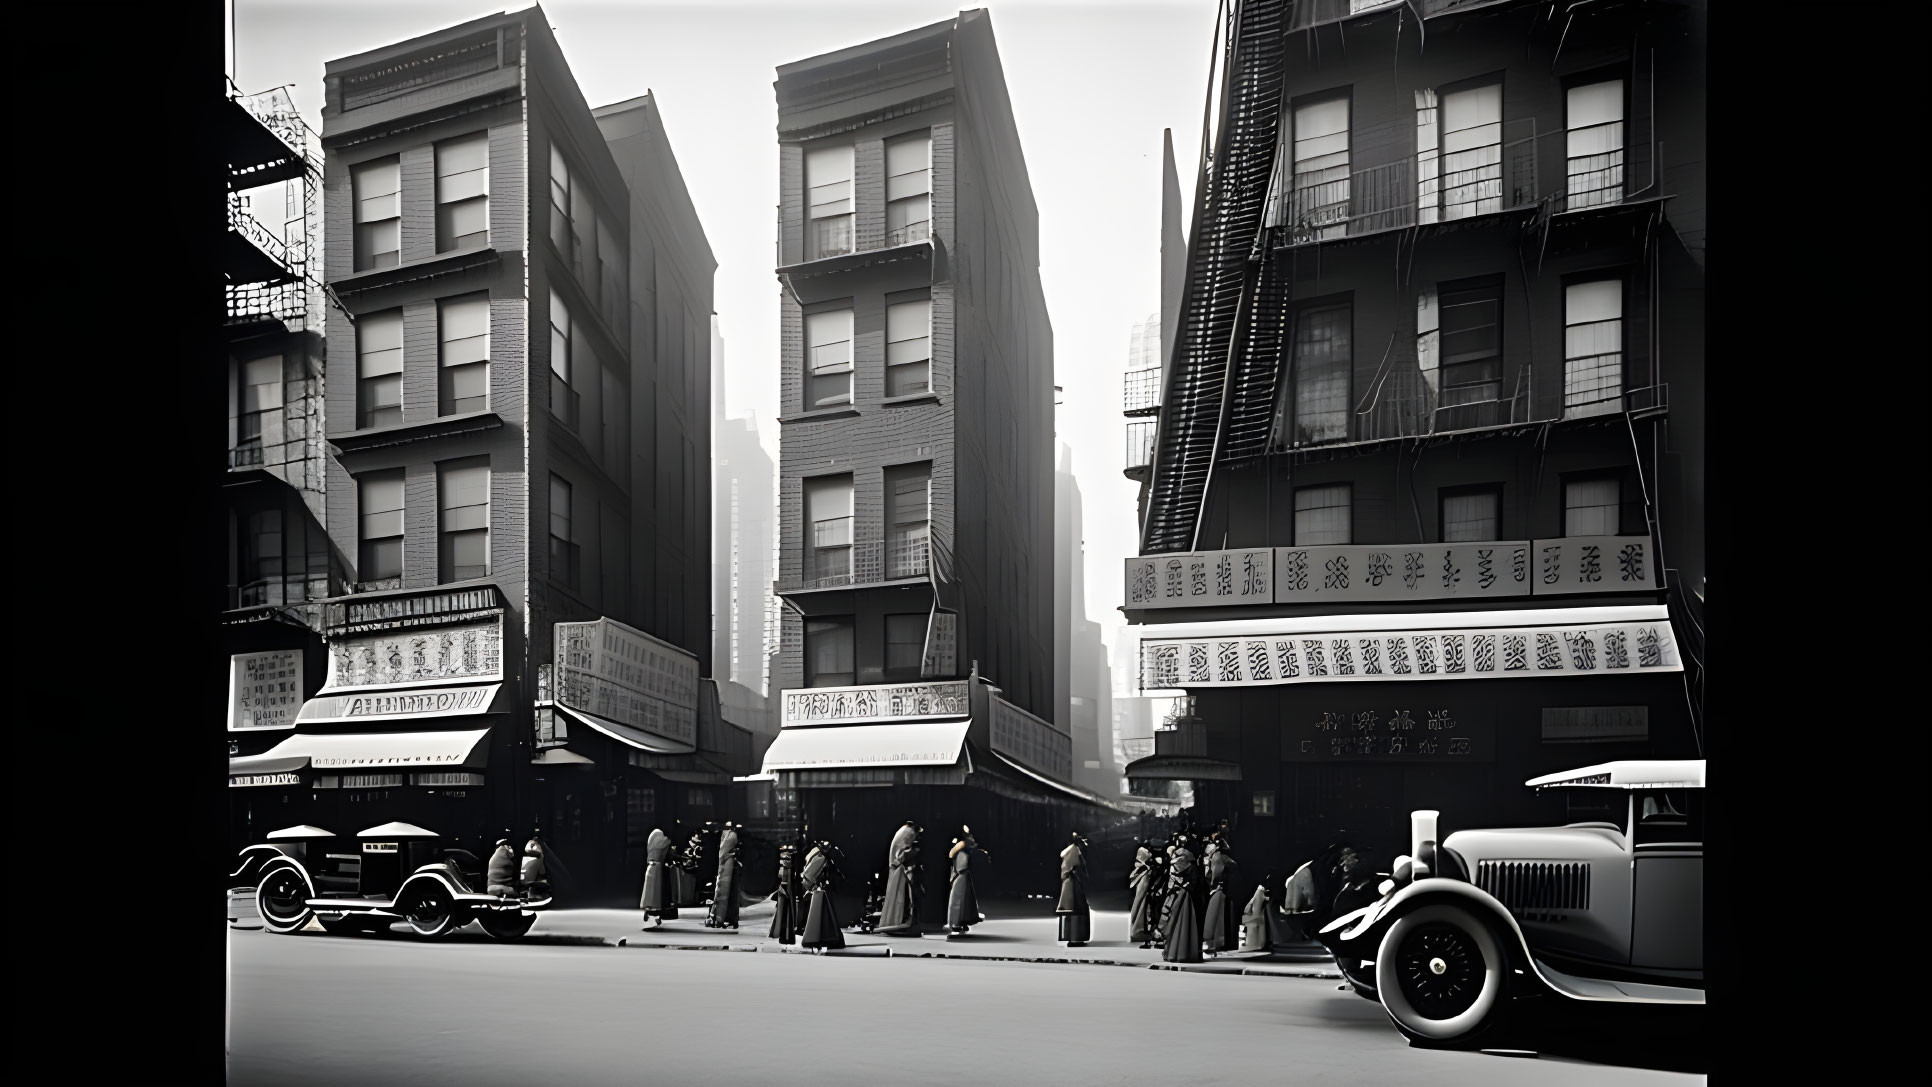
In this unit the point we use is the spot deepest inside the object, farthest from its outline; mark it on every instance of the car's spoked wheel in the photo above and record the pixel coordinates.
(1439, 974)
(282, 898)
(431, 912)
(505, 926)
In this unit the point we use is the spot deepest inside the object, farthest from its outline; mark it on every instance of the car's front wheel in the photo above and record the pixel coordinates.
(431, 911)
(1440, 975)
(282, 897)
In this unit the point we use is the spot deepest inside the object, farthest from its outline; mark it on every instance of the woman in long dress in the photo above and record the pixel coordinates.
(785, 900)
(1219, 930)
(1183, 927)
(1258, 925)
(1141, 879)
(898, 915)
(962, 905)
(822, 930)
(1076, 920)
(724, 894)
(659, 904)
(1163, 877)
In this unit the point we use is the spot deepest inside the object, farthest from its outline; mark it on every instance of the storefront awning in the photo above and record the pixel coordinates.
(1400, 621)
(625, 734)
(1182, 768)
(1070, 790)
(899, 743)
(557, 756)
(360, 750)
(403, 704)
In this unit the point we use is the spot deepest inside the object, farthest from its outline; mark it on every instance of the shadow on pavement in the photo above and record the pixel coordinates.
(1660, 1039)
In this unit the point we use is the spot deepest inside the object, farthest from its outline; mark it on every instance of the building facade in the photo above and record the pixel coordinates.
(1424, 516)
(517, 409)
(916, 472)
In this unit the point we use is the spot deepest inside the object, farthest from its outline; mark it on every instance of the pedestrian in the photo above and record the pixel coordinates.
(962, 904)
(1141, 880)
(685, 870)
(1358, 887)
(785, 900)
(1300, 902)
(1182, 929)
(535, 871)
(898, 914)
(502, 874)
(1258, 925)
(1218, 927)
(822, 930)
(1076, 920)
(1164, 876)
(724, 894)
(658, 903)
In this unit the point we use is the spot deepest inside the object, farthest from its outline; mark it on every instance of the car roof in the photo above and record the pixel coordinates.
(299, 832)
(398, 830)
(1630, 774)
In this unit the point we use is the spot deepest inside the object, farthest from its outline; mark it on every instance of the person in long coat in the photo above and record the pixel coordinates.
(1301, 904)
(724, 894)
(685, 871)
(658, 902)
(1161, 887)
(898, 916)
(822, 930)
(962, 905)
(501, 877)
(786, 899)
(1219, 930)
(1076, 920)
(1183, 926)
(1141, 879)
(534, 870)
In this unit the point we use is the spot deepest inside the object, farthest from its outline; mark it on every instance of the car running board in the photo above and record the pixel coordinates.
(1623, 992)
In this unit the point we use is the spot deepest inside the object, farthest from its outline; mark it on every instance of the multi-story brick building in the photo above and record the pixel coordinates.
(916, 472)
(1425, 509)
(518, 411)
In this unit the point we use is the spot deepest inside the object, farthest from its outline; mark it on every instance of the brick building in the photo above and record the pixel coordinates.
(1425, 509)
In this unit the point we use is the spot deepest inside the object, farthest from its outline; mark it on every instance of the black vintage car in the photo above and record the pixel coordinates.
(394, 872)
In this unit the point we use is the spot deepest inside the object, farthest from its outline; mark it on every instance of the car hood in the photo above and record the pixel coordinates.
(1581, 842)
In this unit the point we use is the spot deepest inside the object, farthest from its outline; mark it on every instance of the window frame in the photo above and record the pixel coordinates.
(814, 373)
(815, 248)
(1602, 405)
(809, 548)
(1494, 285)
(1621, 167)
(364, 540)
(447, 569)
(260, 414)
(830, 625)
(564, 550)
(563, 364)
(1334, 193)
(1444, 494)
(892, 477)
(1288, 409)
(903, 672)
(1348, 488)
(447, 373)
(908, 232)
(362, 257)
(904, 369)
(1618, 476)
(1444, 187)
(447, 241)
(369, 414)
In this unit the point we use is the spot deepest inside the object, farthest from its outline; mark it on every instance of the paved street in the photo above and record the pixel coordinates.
(317, 1009)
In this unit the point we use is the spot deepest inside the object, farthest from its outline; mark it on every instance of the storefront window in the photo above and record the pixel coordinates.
(1264, 803)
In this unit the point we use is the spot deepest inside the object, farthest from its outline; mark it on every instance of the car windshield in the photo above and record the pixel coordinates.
(1670, 815)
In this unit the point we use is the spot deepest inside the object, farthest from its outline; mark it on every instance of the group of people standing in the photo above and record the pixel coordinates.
(905, 883)
(670, 878)
(514, 873)
(1183, 896)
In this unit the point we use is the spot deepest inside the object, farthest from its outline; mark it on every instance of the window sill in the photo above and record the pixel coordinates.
(837, 411)
(909, 398)
(441, 264)
(440, 427)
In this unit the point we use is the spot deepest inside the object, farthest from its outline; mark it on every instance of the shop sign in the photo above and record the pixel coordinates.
(1595, 724)
(1383, 656)
(243, 781)
(396, 612)
(1031, 740)
(414, 703)
(1381, 573)
(1201, 579)
(617, 672)
(1389, 734)
(441, 778)
(472, 651)
(883, 702)
(371, 781)
(264, 690)
(1595, 564)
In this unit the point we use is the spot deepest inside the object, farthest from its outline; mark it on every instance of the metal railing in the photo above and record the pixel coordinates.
(910, 233)
(1406, 404)
(1140, 391)
(275, 110)
(245, 455)
(1140, 443)
(830, 237)
(1390, 196)
(908, 555)
(286, 256)
(871, 562)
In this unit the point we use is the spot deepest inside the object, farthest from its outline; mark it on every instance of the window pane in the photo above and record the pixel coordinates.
(1595, 104)
(825, 390)
(1322, 378)
(465, 486)
(383, 493)
(462, 162)
(465, 321)
(906, 154)
(376, 187)
(1597, 300)
(1470, 517)
(1591, 507)
(1322, 515)
(828, 165)
(559, 507)
(909, 220)
(466, 388)
(908, 379)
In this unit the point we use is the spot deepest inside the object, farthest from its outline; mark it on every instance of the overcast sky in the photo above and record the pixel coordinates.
(1093, 83)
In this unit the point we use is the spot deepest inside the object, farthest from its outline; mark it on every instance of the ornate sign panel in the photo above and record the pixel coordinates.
(264, 690)
(421, 655)
(1031, 740)
(1201, 579)
(1595, 564)
(1392, 732)
(1377, 573)
(622, 674)
(885, 702)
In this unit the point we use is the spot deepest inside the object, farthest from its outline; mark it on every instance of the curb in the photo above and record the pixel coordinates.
(878, 951)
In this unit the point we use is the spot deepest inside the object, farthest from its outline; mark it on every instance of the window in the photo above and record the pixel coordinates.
(1428, 157)
(463, 489)
(640, 802)
(1594, 117)
(1319, 389)
(563, 553)
(1592, 347)
(1471, 349)
(828, 653)
(828, 519)
(1323, 515)
(1670, 817)
(908, 516)
(463, 192)
(908, 162)
(908, 348)
(1592, 507)
(613, 281)
(1472, 152)
(563, 230)
(464, 326)
(828, 180)
(380, 531)
(564, 400)
(1470, 514)
(378, 196)
(262, 565)
(905, 638)
(379, 365)
(828, 358)
(261, 403)
(1321, 169)
(615, 406)
(1264, 802)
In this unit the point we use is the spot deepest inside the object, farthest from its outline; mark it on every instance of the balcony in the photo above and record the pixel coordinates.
(254, 254)
(909, 234)
(1390, 197)
(247, 454)
(1140, 392)
(1140, 445)
(1313, 13)
(1406, 404)
(905, 559)
(837, 236)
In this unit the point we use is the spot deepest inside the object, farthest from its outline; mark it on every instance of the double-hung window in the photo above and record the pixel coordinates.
(1471, 514)
(908, 348)
(379, 530)
(828, 653)
(463, 495)
(828, 521)
(261, 405)
(464, 327)
(905, 641)
(1592, 347)
(1593, 115)
(1324, 515)
(908, 519)
(1321, 207)
(563, 230)
(1472, 151)
(564, 398)
(379, 366)
(828, 362)
(1592, 506)
(378, 198)
(463, 192)
(1470, 348)
(908, 162)
(828, 198)
(1314, 405)
(563, 550)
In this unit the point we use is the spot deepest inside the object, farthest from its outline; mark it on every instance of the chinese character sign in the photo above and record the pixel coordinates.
(264, 690)
(1395, 732)
(1201, 579)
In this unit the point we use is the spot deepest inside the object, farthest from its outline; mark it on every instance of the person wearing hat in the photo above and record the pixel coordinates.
(962, 905)
(1218, 927)
(502, 874)
(1141, 879)
(658, 902)
(787, 899)
(821, 930)
(1181, 929)
(1076, 920)
(724, 895)
(536, 868)
(897, 914)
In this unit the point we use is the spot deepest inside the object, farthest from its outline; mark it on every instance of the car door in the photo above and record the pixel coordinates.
(1667, 907)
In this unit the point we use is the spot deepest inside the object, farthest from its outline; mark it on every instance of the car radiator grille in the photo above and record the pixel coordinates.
(1533, 890)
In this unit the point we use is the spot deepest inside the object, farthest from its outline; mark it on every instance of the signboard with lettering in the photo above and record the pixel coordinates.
(1391, 733)
(420, 609)
(1595, 564)
(1595, 724)
(1381, 573)
(1378, 656)
(886, 702)
(419, 702)
(241, 781)
(418, 656)
(1201, 579)
(622, 674)
(1031, 740)
(264, 690)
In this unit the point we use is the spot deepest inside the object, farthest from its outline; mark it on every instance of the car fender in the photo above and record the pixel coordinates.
(255, 858)
(286, 861)
(431, 875)
(1363, 937)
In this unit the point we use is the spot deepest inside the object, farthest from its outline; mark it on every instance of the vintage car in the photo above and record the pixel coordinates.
(394, 872)
(1596, 912)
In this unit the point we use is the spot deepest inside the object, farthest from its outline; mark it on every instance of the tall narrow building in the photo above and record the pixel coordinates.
(916, 471)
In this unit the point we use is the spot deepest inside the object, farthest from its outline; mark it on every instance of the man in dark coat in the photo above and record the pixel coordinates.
(962, 904)
(659, 902)
(1218, 928)
(501, 877)
(822, 930)
(898, 915)
(724, 894)
(1076, 921)
(1182, 930)
(1140, 930)
(788, 898)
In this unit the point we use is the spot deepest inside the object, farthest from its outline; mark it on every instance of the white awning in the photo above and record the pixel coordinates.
(298, 833)
(401, 704)
(397, 830)
(1629, 774)
(625, 734)
(363, 750)
(557, 756)
(919, 743)
(1430, 620)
